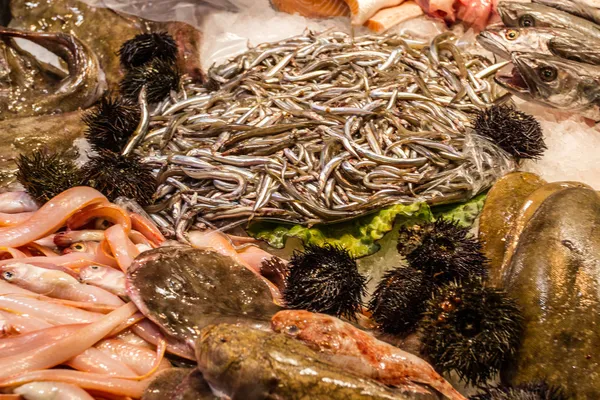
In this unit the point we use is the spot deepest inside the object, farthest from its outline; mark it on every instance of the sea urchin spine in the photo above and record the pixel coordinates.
(111, 123)
(117, 175)
(443, 250)
(324, 279)
(399, 300)
(517, 133)
(471, 329)
(146, 47)
(158, 76)
(45, 174)
(530, 391)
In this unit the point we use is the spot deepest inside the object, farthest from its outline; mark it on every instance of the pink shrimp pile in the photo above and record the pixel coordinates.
(66, 324)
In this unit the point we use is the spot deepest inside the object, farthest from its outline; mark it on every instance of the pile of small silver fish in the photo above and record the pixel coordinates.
(320, 128)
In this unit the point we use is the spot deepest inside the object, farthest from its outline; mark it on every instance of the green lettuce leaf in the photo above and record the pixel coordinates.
(464, 213)
(359, 236)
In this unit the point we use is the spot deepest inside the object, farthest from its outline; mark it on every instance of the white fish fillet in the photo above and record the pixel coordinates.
(389, 17)
(362, 10)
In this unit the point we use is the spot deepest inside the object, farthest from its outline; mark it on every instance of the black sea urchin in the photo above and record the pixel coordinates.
(111, 123)
(45, 174)
(443, 250)
(146, 47)
(531, 391)
(471, 329)
(399, 300)
(324, 279)
(116, 175)
(158, 76)
(514, 131)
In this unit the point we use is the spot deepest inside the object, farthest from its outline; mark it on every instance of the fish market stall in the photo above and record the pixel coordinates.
(299, 199)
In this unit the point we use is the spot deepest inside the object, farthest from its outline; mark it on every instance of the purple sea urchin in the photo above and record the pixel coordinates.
(146, 47)
(158, 76)
(116, 175)
(471, 329)
(443, 250)
(324, 279)
(514, 131)
(399, 300)
(45, 174)
(111, 123)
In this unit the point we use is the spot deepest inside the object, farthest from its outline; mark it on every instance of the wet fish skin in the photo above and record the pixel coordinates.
(80, 89)
(554, 82)
(245, 363)
(183, 289)
(575, 7)
(527, 15)
(503, 41)
(576, 48)
(559, 42)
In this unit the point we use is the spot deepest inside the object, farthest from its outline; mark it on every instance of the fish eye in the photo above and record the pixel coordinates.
(7, 275)
(292, 330)
(512, 34)
(548, 74)
(94, 267)
(77, 247)
(527, 21)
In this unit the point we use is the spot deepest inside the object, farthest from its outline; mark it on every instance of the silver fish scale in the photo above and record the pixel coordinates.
(322, 128)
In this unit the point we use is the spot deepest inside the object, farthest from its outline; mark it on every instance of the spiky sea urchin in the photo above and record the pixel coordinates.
(116, 175)
(45, 174)
(111, 123)
(324, 279)
(443, 250)
(159, 77)
(516, 132)
(530, 391)
(471, 329)
(399, 300)
(146, 47)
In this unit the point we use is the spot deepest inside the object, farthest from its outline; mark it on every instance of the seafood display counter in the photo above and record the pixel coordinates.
(299, 199)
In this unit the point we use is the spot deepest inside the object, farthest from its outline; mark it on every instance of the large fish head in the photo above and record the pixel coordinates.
(529, 15)
(217, 349)
(551, 81)
(503, 41)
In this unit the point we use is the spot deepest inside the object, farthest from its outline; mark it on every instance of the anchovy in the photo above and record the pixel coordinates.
(322, 129)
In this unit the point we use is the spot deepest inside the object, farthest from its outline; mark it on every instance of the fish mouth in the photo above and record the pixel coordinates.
(488, 41)
(514, 81)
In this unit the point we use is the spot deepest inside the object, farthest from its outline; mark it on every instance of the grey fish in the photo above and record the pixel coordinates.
(575, 7)
(529, 15)
(80, 89)
(249, 364)
(503, 41)
(559, 42)
(554, 82)
(576, 48)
